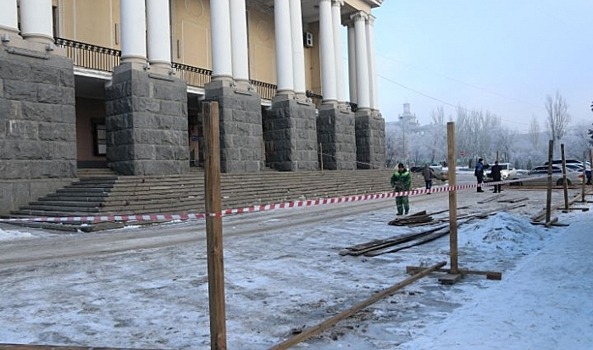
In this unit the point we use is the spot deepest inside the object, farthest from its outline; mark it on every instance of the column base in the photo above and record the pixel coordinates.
(290, 135)
(336, 137)
(241, 134)
(370, 140)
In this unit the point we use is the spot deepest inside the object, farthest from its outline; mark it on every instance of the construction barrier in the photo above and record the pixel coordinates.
(254, 208)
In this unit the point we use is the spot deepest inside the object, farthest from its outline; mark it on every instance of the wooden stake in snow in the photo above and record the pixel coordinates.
(213, 203)
(452, 198)
(564, 182)
(549, 193)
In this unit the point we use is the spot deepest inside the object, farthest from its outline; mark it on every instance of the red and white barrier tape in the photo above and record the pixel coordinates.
(252, 209)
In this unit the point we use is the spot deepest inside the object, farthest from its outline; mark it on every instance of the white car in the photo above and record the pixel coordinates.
(538, 176)
(508, 171)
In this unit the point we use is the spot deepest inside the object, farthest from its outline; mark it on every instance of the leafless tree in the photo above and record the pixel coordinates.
(578, 141)
(475, 132)
(438, 147)
(390, 149)
(558, 117)
(534, 133)
(505, 143)
(438, 116)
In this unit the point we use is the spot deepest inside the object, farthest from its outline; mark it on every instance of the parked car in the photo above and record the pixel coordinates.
(575, 165)
(436, 167)
(569, 161)
(538, 176)
(508, 171)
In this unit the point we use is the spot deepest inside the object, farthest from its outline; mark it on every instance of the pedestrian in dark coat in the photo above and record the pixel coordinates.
(479, 173)
(428, 175)
(496, 176)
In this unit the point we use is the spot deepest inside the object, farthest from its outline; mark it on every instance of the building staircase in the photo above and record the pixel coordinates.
(104, 193)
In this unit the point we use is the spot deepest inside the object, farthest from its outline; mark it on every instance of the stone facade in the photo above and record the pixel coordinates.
(335, 134)
(241, 140)
(370, 140)
(37, 125)
(290, 134)
(146, 123)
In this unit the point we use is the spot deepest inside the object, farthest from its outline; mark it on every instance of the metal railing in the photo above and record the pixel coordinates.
(105, 59)
(90, 56)
(193, 76)
(267, 91)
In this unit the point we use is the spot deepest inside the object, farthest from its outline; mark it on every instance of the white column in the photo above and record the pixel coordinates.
(298, 52)
(362, 66)
(240, 53)
(327, 57)
(372, 65)
(337, 28)
(133, 32)
(220, 19)
(352, 63)
(284, 64)
(9, 18)
(159, 34)
(36, 21)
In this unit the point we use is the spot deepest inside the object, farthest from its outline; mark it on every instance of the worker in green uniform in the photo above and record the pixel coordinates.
(401, 180)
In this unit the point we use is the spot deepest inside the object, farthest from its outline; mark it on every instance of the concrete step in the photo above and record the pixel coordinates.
(113, 194)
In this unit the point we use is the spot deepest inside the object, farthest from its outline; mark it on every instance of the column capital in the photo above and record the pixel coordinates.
(337, 2)
(359, 16)
(371, 19)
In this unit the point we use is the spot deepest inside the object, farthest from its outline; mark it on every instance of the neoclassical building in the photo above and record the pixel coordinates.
(120, 84)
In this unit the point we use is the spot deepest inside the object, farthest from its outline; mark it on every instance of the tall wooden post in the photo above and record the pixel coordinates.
(564, 182)
(591, 163)
(452, 197)
(214, 227)
(584, 176)
(549, 193)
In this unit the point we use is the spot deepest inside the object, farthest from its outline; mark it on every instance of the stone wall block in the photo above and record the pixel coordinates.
(49, 94)
(56, 132)
(47, 75)
(19, 90)
(16, 169)
(21, 130)
(15, 70)
(39, 112)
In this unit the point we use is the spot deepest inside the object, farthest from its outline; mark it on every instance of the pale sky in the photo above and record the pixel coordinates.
(500, 56)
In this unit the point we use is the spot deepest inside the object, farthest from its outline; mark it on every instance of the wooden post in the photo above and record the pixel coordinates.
(452, 198)
(214, 227)
(549, 193)
(591, 164)
(584, 176)
(564, 184)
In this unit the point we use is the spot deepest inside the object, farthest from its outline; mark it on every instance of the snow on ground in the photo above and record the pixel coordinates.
(277, 284)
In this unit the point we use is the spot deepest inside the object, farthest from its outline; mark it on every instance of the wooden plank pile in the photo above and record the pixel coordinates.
(439, 228)
(394, 244)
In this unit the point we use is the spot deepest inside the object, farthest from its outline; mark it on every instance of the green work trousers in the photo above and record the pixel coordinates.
(403, 204)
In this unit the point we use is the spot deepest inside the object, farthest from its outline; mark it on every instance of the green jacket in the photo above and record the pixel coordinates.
(401, 180)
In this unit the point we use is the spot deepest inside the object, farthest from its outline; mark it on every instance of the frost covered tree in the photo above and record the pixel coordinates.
(505, 143)
(558, 117)
(475, 132)
(534, 133)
